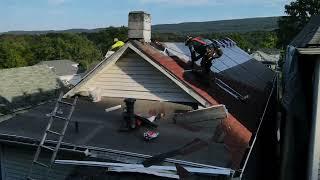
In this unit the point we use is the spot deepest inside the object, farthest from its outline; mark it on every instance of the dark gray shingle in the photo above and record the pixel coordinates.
(62, 67)
(310, 34)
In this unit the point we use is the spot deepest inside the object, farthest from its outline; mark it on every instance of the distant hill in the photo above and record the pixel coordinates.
(54, 31)
(227, 26)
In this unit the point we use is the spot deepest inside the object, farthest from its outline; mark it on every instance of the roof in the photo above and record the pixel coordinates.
(235, 64)
(310, 34)
(24, 86)
(100, 129)
(237, 73)
(62, 67)
(236, 68)
(265, 57)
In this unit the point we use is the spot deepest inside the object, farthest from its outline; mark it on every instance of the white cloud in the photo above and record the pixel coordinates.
(177, 2)
(56, 2)
(217, 2)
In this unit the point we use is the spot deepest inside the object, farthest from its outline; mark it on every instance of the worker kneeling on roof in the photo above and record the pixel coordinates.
(206, 49)
(117, 44)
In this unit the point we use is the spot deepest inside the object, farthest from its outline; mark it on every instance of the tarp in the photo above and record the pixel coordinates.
(293, 95)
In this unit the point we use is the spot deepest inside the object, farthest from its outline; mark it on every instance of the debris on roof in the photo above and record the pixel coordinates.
(206, 117)
(163, 171)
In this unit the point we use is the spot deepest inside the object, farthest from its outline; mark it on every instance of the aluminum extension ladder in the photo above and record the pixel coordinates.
(54, 150)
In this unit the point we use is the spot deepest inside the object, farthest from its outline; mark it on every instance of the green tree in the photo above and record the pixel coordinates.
(104, 39)
(299, 13)
(12, 54)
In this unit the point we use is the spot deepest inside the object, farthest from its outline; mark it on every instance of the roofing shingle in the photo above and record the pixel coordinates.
(26, 85)
(62, 67)
(310, 34)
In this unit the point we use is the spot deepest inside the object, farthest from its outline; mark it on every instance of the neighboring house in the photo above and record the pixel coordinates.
(301, 119)
(268, 57)
(67, 70)
(162, 84)
(26, 86)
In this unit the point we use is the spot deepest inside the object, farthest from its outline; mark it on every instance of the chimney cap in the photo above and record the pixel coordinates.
(138, 12)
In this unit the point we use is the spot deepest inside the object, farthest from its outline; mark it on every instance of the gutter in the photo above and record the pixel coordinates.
(207, 171)
(10, 115)
(102, 153)
(309, 51)
(258, 130)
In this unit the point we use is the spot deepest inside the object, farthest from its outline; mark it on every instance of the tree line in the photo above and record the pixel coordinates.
(89, 48)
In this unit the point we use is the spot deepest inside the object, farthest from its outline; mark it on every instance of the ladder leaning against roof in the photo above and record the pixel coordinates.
(60, 135)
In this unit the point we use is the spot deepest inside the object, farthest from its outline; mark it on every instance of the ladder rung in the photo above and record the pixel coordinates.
(53, 132)
(41, 164)
(46, 147)
(67, 103)
(59, 117)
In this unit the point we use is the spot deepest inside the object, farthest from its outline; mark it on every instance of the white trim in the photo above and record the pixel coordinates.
(314, 154)
(309, 51)
(106, 62)
(116, 56)
(191, 92)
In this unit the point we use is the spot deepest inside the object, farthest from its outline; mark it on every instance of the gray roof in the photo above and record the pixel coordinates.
(62, 67)
(265, 57)
(23, 86)
(310, 34)
(98, 128)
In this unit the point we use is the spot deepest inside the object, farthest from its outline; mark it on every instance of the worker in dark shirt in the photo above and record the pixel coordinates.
(203, 48)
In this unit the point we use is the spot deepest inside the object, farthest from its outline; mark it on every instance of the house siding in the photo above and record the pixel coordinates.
(16, 162)
(132, 76)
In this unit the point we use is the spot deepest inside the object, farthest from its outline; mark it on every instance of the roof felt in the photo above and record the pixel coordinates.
(26, 85)
(100, 129)
(310, 34)
(62, 67)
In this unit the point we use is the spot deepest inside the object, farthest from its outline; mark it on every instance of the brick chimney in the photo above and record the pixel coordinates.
(139, 26)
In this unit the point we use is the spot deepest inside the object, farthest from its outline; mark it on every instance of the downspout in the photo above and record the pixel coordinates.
(314, 154)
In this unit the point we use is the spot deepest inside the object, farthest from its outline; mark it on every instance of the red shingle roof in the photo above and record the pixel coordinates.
(236, 136)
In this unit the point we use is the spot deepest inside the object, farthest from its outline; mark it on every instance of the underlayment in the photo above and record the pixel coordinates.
(100, 129)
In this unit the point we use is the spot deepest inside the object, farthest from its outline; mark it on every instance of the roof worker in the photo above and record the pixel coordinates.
(117, 44)
(203, 48)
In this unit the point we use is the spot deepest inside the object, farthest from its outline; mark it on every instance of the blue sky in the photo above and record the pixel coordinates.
(66, 14)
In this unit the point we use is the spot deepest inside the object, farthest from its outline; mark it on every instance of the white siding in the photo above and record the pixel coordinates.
(132, 76)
